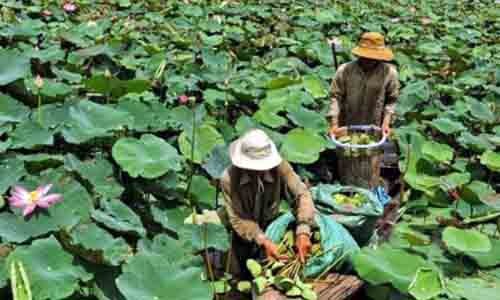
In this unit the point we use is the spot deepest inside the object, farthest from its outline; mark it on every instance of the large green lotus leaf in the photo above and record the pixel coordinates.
(447, 126)
(115, 86)
(314, 85)
(30, 134)
(183, 116)
(474, 288)
(12, 110)
(11, 170)
(455, 179)
(73, 209)
(491, 160)
(218, 161)
(116, 215)
(53, 115)
(161, 271)
(302, 146)
(145, 117)
(170, 217)
(148, 157)
(206, 139)
(53, 88)
(309, 119)
(88, 120)
(269, 118)
(91, 237)
(477, 143)
(199, 237)
(477, 191)
(412, 95)
(203, 191)
(437, 152)
(426, 285)
(388, 265)
(50, 269)
(490, 258)
(466, 240)
(99, 172)
(481, 111)
(14, 66)
(281, 82)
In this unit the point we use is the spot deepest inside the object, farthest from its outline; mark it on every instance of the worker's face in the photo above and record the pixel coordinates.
(368, 64)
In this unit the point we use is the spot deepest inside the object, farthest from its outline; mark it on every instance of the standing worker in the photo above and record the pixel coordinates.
(364, 92)
(253, 187)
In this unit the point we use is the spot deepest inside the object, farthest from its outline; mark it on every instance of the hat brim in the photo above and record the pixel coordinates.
(384, 54)
(240, 160)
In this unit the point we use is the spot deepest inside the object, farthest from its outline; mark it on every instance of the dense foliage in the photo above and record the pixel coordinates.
(127, 108)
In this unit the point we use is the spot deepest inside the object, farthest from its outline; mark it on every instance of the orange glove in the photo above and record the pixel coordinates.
(304, 245)
(338, 131)
(386, 130)
(272, 250)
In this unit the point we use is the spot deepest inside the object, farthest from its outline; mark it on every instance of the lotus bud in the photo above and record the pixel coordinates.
(69, 7)
(183, 99)
(38, 82)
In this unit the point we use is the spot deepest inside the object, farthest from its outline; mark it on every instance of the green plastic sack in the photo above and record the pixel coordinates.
(336, 242)
(360, 221)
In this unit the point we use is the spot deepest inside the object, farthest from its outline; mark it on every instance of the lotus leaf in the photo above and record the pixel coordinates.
(12, 110)
(203, 192)
(30, 134)
(88, 120)
(148, 157)
(426, 285)
(217, 162)
(15, 66)
(302, 146)
(200, 237)
(491, 160)
(118, 216)
(114, 251)
(51, 270)
(473, 288)
(11, 170)
(466, 240)
(447, 126)
(206, 138)
(437, 152)
(490, 258)
(308, 119)
(315, 86)
(388, 265)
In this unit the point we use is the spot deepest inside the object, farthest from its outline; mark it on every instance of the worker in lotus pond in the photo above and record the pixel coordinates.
(253, 187)
(364, 92)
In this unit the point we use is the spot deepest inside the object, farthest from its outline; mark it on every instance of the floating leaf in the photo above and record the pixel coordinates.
(206, 139)
(12, 110)
(437, 152)
(112, 250)
(99, 172)
(466, 240)
(89, 120)
(388, 265)
(149, 157)
(491, 160)
(140, 280)
(11, 170)
(473, 288)
(14, 66)
(302, 146)
(315, 86)
(30, 134)
(50, 269)
(426, 285)
(118, 216)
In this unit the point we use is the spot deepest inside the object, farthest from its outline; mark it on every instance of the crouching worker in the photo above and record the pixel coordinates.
(253, 187)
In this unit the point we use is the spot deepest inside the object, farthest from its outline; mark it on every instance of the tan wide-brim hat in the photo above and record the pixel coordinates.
(254, 151)
(372, 45)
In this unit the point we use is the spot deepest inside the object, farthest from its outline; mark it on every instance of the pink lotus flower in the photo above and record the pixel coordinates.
(183, 99)
(28, 201)
(69, 7)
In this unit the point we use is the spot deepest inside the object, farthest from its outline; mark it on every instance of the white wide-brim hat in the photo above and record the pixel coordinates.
(254, 151)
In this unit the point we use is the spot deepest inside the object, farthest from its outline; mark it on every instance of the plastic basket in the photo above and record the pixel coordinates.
(355, 150)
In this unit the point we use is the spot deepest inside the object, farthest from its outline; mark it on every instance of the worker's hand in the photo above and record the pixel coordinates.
(272, 250)
(338, 131)
(386, 130)
(304, 245)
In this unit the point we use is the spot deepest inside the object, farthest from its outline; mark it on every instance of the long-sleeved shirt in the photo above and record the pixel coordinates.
(361, 98)
(252, 203)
